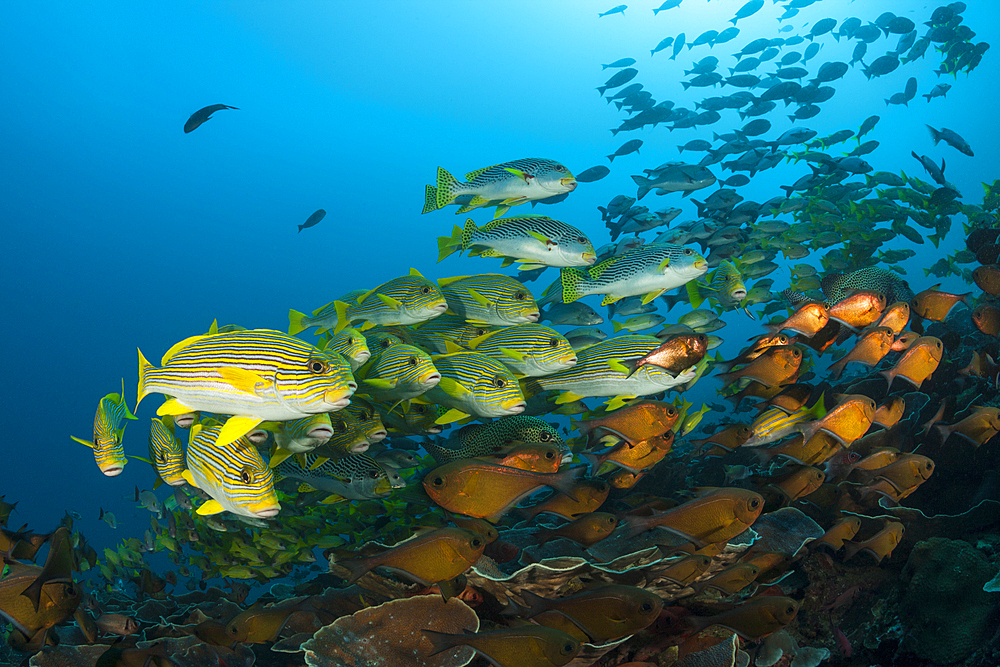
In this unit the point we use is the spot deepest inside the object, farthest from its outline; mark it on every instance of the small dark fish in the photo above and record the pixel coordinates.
(668, 4)
(202, 115)
(951, 138)
(749, 9)
(624, 62)
(592, 174)
(938, 91)
(313, 219)
(619, 79)
(626, 148)
(620, 9)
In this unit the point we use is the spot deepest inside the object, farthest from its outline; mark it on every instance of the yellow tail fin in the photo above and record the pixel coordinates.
(295, 322)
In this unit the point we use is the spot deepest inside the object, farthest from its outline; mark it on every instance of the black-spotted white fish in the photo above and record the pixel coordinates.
(649, 270)
(483, 439)
(502, 185)
(353, 477)
(256, 375)
(533, 240)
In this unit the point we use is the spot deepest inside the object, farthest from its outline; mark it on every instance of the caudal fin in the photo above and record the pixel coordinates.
(430, 199)
(445, 190)
(571, 279)
(295, 325)
(144, 367)
(643, 184)
(448, 245)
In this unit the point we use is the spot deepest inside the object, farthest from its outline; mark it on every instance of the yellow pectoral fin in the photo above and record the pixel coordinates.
(278, 456)
(452, 415)
(478, 298)
(567, 397)
(452, 388)
(320, 460)
(172, 406)
(189, 478)
(379, 383)
(210, 507)
(395, 304)
(331, 499)
(618, 401)
(246, 381)
(520, 174)
(541, 238)
(305, 488)
(83, 442)
(616, 365)
(513, 354)
(649, 296)
(610, 298)
(235, 428)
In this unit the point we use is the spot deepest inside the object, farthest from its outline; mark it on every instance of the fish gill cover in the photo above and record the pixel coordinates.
(753, 420)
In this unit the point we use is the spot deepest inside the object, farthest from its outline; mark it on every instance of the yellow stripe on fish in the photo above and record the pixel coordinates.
(490, 298)
(474, 384)
(405, 300)
(527, 349)
(255, 375)
(233, 474)
(397, 373)
(165, 452)
(109, 451)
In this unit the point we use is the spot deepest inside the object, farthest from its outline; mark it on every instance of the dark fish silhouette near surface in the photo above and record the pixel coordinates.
(313, 219)
(202, 115)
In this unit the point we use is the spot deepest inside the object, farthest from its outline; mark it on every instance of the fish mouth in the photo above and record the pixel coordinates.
(320, 433)
(378, 436)
(569, 359)
(267, 512)
(430, 379)
(701, 264)
(589, 257)
(440, 307)
(569, 183)
(516, 408)
(113, 471)
(532, 317)
(359, 447)
(337, 400)
(362, 357)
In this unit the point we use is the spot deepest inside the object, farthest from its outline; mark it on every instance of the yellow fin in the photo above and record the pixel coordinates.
(452, 388)
(414, 272)
(331, 499)
(610, 298)
(172, 406)
(507, 261)
(542, 238)
(379, 383)
(189, 478)
(246, 381)
(520, 174)
(451, 347)
(278, 456)
(180, 346)
(452, 415)
(342, 319)
(649, 296)
(389, 301)
(444, 282)
(472, 174)
(210, 507)
(618, 401)
(513, 354)
(83, 442)
(320, 460)
(616, 365)
(478, 340)
(235, 428)
(567, 397)
(214, 328)
(478, 298)
(305, 488)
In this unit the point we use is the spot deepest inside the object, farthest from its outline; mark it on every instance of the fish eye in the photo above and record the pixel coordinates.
(567, 648)
(365, 415)
(499, 382)
(559, 168)
(161, 458)
(425, 289)
(412, 361)
(549, 455)
(581, 239)
(754, 503)
(350, 340)
(437, 481)
(520, 295)
(790, 609)
(246, 476)
(545, 437)
(476, 542)
(233, 630)
(318, 366)
(646, 606)
(372, 474)
(553, 342)
(70, 590)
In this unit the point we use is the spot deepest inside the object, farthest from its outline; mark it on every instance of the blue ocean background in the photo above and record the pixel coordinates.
(121, 231)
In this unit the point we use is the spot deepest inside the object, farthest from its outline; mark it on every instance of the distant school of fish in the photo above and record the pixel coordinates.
(558, 509)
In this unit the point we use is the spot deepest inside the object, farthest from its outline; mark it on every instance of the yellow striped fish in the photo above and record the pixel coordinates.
(474, 384)
(351, 344)
(775, 423)
(416, 419)
(355, 429)
(302, 435)
(233, 474)
(527, 349)
(489, 298)
(109, 453)
(397, 373)
(435, 335)
(165, 452)
(256, 375)
(323, 318)
(406, 300)
(602, 370)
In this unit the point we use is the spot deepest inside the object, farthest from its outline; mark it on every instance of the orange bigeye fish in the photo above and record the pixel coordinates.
(879, 545)
(934, 305)
(977, 428)
(847, 421)
(890, 412)
(777, 366)
(636, 422)
(896, 316)
(676, 354)
(859, 309)
(807, 320)
(918, 362)
(904, 341)
(752, 620)
(988, 278)
(869, 350)
(987, 319)
(718, 515)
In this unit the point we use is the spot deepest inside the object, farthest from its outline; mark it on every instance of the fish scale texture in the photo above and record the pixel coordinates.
(945, 612)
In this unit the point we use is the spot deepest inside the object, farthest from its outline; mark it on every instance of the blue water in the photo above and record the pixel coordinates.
(123, 232)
